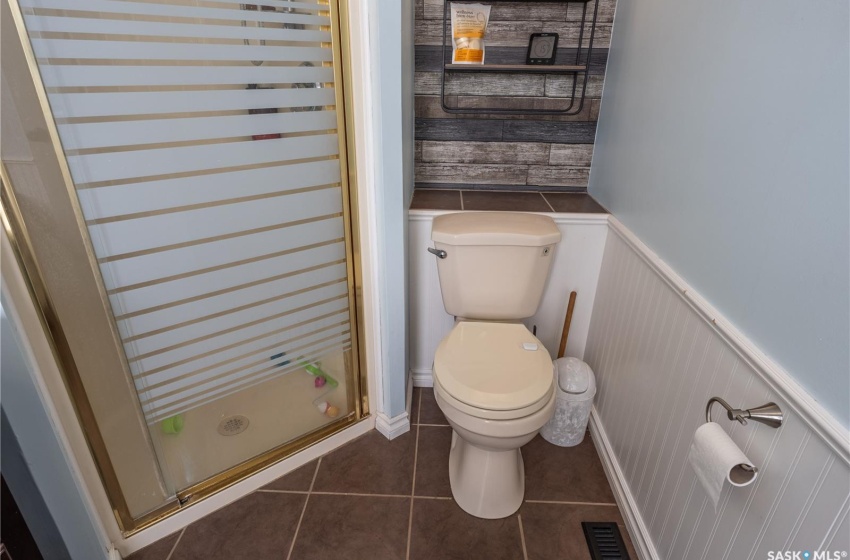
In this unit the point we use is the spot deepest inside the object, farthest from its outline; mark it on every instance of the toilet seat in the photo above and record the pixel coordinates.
(485, 414)
(497, 371)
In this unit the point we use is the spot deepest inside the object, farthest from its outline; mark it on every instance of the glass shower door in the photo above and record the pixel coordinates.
(206, 157)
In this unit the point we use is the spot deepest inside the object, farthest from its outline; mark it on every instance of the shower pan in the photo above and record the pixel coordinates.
(176, 184)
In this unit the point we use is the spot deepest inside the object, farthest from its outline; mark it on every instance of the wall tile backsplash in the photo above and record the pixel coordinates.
(507, 152)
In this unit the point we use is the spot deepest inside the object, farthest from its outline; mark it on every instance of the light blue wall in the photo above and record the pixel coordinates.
(723, 145)
(391, 45)
(17, 474)
(43, 468)
(408, 142)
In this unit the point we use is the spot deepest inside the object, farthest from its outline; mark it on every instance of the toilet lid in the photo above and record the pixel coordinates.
(493, 366)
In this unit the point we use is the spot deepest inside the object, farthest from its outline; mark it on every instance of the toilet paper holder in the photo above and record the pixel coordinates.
(768, 414)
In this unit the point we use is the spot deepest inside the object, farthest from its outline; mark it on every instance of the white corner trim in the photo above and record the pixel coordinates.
(777, 378)
(622, 493)
(392, 427)
(114, 554)
(422, 377)
(367, 144)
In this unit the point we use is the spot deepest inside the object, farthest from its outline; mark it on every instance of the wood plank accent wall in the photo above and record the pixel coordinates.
(507, 152)
(658, 358)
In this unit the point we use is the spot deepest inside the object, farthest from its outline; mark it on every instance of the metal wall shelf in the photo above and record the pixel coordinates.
(516, 68)
(579, 70)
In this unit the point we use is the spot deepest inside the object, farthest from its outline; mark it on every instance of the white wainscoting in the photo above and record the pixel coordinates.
(660, 352)
(576, 265)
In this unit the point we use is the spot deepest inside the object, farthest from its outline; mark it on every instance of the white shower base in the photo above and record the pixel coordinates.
(279, 410)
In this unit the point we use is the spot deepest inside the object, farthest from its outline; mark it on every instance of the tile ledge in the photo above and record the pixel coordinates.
(420, 214)
(418, 206)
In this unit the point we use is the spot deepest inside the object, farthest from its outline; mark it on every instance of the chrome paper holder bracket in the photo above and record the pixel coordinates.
(768, 414)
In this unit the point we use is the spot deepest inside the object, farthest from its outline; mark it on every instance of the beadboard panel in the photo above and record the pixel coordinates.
(659, 354)
(576, 265)
(429, 321)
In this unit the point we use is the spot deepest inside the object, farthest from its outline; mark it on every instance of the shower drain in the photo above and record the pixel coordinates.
(233, 425)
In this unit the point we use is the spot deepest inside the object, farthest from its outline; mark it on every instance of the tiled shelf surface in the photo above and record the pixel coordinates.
(518, 201)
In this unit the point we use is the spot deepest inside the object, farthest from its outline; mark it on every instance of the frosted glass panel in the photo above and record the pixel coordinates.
(203, 144)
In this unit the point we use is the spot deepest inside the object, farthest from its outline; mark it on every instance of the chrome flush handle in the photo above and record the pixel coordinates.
(439, 252)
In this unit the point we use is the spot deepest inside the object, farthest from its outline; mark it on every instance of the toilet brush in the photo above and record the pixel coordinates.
(567, 320)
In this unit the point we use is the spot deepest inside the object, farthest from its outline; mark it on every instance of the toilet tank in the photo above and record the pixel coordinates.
(496, 263)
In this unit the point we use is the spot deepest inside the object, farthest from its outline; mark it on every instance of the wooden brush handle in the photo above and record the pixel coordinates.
(565, 333)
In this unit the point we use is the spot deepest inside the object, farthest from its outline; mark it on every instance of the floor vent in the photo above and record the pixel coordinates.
(233, 425)
(604, 541)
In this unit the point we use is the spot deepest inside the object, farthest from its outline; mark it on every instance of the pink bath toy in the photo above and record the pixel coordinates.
(320, 381)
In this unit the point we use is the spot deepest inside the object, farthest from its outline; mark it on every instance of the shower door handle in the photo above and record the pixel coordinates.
(439, 252)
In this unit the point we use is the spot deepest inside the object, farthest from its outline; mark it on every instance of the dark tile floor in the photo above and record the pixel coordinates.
(519, 201)
(375, 499)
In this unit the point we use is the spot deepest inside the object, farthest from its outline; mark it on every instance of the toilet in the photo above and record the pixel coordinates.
(493, 379)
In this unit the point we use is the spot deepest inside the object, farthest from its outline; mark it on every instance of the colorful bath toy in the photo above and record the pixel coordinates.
(316, 371)
(172, 424)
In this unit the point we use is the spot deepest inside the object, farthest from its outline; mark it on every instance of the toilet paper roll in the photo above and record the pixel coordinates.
(716, 458)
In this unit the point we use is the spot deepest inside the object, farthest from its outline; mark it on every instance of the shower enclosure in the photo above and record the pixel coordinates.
(176, 186)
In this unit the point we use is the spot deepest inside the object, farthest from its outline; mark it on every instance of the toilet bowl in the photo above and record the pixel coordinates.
(494, 383)
(492, 378)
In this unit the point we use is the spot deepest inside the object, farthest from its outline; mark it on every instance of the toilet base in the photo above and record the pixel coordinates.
(486, 483)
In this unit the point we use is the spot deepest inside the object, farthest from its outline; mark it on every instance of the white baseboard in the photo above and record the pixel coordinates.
(622, 493)
(422, 377)
(397, 425)
(392, 427)
(408, 401)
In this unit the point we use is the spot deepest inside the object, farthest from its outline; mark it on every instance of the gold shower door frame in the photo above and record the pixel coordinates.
(17, 233)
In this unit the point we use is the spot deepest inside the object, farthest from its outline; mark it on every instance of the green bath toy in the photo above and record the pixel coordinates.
(172, 424)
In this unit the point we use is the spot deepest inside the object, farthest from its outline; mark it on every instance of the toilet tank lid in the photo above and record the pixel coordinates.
(495, 228)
